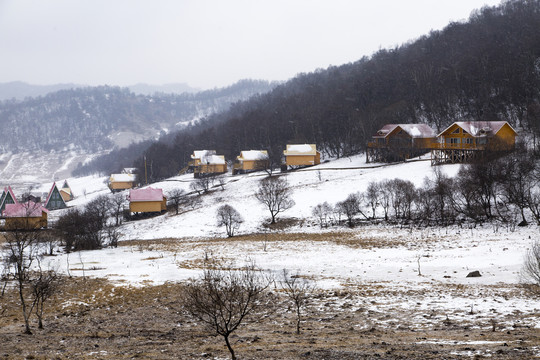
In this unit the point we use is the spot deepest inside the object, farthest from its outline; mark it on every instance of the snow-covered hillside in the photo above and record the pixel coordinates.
(391, 256)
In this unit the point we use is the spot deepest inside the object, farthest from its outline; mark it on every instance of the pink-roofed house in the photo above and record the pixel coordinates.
(398, 142)
(25, 216)
(147, 200)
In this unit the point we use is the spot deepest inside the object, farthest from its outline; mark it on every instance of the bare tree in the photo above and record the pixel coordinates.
(176, 197)
(530, 272)
(117, 206)
(275, 194)
(372, 197)
(19, 253)
(44, 286)
(223, 299)
(230, 218)
(298, 290)
(202, 184)
(322, 212)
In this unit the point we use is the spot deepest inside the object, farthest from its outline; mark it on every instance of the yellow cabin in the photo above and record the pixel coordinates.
(206, 162)
(251, 160)
(464, 141)
(118, 182)
(148, 200)
(302, 155)
(25, 216)
(398, 142)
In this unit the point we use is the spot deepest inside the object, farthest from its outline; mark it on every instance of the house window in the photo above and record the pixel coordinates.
(469, 141)
(454, 140)
(456, 131)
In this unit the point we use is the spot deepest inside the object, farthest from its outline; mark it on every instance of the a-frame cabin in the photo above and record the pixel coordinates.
(66, 192)
(7, 198)
(55, 199)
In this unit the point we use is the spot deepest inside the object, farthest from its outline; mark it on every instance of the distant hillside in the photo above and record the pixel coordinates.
(487, 68)
(93, 119)
(19, 90)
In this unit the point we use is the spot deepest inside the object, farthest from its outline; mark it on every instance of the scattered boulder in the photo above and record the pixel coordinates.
(474, 274)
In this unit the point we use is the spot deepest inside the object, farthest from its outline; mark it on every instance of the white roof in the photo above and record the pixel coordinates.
(254, 155)
(213, 159)
(301, 149)
(122, 178)
(199, 154)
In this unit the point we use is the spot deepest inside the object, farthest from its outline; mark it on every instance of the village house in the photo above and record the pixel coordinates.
(206, 162)
(299, 155)
(65, 192)
(399, 142)
(54, 199)
(251, 160)
(119, 182)
(466, 141)
(7, 197)
(147, 200)
(25, 216)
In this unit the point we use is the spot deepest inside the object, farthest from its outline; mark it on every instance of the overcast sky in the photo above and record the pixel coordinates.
(205, 43)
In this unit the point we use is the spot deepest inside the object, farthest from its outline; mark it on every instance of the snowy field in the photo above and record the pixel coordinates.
(388, 258)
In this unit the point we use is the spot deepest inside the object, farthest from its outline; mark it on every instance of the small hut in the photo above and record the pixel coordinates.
(206, 162)
(119, 182)
(7, 197)
(54, 199)
(299, 155)
(251, 160)
(147, 200)
(65, 192)
(25, 216)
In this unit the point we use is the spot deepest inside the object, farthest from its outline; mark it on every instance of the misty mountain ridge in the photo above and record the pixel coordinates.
(20, 90)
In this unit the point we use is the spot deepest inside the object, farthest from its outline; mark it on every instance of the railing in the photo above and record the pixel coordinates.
(457, 146)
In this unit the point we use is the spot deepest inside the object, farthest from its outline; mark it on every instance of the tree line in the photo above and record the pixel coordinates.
(487, 68)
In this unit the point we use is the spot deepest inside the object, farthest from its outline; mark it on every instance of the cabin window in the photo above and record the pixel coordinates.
(454, 140)
(456, 131)
(469, 141)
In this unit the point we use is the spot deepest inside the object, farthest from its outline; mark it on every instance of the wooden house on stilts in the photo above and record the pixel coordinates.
(467, 141)
(399, 142)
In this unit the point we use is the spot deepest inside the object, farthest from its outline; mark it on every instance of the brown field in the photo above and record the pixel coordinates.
(96, 319)
(92, 319)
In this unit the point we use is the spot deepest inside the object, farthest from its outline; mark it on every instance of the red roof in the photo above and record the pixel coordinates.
(147, 194)
(27, 209)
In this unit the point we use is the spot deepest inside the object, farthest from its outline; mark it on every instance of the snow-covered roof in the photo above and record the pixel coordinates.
(414, 130)
(213, 160)
(146, 194)
(27, 209)
(301, 149)
(198, 154)
(479, 128)
(253, 155)
(122, 178)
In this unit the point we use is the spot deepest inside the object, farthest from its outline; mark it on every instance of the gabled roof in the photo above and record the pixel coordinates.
(413, 130)
(480, 128)
(122, 178)
(198, 154)
(147, 194)
(27, 209)
(301, 149)
(8, 197)
(53, 189)
(66, 185)
(253, 155)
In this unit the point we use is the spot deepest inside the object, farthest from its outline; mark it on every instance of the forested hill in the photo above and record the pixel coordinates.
(97, 118)
(486, 68)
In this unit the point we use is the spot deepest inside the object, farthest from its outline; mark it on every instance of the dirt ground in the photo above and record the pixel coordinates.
(93, 319)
